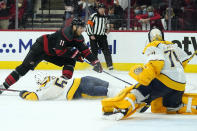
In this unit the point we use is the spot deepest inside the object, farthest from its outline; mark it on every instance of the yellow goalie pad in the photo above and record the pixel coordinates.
(145, 74)
(124, 100)
(157, 106)
(189, 105)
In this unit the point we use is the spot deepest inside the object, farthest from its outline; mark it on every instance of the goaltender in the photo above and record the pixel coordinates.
(161, 82)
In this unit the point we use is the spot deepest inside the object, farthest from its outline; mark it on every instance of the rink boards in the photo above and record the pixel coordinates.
(126, 48)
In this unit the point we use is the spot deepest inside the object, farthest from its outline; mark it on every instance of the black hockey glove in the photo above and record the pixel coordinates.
(79, 57)
(97, 66)
(75, 54)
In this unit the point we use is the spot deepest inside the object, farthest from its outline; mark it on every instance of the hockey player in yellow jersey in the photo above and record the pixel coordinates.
(161, 81)
(52, 87)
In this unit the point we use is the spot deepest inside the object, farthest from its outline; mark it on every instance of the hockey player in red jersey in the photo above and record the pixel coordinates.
(56, 48)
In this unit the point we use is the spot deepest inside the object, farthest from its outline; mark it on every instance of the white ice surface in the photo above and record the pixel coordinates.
(81, 115)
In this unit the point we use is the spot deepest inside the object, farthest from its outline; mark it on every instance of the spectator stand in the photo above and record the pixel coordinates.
(22, 5)
(5, 15)
(48, 14)
(52, 19)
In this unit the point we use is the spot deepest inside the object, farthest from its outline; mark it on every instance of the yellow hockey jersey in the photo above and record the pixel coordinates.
(57, 87)
(172, 73)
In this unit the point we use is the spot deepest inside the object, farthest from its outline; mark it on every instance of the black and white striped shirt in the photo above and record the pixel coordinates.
(96, 24)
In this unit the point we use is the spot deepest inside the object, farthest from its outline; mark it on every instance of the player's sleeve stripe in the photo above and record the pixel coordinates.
(46, 48)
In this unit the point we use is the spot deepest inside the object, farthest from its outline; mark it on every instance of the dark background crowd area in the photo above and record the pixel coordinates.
(142, 14)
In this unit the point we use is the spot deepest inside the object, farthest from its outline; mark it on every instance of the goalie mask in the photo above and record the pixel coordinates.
(155, 35)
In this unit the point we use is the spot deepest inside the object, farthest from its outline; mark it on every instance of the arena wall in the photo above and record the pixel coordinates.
(126, 48)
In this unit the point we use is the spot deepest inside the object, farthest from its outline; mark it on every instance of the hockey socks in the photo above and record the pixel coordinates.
(11, 79)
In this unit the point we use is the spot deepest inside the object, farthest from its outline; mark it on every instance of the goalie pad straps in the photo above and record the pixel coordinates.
(124, 102)
(134, 106)
(189, 104)
(139, 96)
(108, 103)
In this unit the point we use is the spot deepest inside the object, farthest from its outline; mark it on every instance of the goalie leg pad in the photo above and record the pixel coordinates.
(157, 106)
(124, 103)
(189, 104)
(108, 103)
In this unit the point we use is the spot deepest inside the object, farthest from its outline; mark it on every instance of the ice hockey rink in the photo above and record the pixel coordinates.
(81, 115)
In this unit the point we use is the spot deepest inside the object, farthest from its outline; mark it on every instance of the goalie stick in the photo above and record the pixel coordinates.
(195, 53)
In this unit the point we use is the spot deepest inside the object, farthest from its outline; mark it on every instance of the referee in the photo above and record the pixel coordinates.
(96, 29)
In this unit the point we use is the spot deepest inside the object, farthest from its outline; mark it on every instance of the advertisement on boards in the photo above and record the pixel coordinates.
(15, 45)
(126, 47)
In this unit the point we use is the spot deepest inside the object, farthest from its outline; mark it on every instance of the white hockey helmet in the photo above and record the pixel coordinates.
(155, 34)
(41, 77)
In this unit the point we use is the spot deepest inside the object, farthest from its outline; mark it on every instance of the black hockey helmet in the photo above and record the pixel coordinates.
(155, 34)
(101, 5)
(78, 22)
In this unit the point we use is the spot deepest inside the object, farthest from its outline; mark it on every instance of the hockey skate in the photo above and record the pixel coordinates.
(2, 87)
(111, 68)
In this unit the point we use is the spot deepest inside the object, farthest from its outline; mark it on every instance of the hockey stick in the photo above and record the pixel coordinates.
(10, 90)
(195, 53)
(110, 74)
(117, 77)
